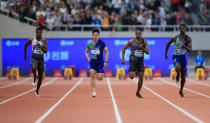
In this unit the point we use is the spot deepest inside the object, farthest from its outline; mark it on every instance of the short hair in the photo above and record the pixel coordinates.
(138, 30)
(183, 25)
(96, 30)
(38, 29)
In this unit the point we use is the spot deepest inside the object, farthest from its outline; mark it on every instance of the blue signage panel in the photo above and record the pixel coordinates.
(66, 52)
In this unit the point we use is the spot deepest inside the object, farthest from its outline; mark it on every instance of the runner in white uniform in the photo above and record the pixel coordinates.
(39, 47)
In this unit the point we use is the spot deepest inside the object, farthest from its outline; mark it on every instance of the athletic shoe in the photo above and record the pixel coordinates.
(181, 94)
(139, 95)
(37, 93)
(94, 94)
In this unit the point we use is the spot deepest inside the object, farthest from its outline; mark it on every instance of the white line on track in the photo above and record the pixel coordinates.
(56, 104)
(46, 84)
(117, 113)
(2, 78)
(199, 83)
(187, 89)
(173, 105)
(16, 83)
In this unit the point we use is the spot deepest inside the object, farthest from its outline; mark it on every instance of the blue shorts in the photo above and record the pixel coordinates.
(98, 67)
(181, 59)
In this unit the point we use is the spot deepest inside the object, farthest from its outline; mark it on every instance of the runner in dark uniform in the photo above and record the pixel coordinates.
(138, 46)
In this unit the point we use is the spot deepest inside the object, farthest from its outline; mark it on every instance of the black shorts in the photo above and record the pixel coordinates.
(136, 65)
(38, 62)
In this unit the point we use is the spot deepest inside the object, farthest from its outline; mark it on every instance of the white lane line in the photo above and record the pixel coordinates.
(199, 83)
(116, 111)
(173, 105)
(187, 89)
(57, 103)
(16, 83)
(2, 78)
(46, 84)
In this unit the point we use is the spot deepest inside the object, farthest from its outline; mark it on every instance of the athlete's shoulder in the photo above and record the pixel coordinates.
(89, 42)
(32, 38)
(131, 41)
(174, 38)
(100, 41)
(188, 38)
(144, 41)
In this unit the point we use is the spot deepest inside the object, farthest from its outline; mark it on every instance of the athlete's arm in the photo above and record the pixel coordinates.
(25, 48)
(45, 47)
(107, 56)
(168, 45)
(86, 54)
(124, 49)
(146, 49)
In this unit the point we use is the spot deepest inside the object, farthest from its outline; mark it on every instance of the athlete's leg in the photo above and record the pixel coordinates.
(183, 80)
(40, 68)
(132, 69)
(100, 76)
(140, 66)
(178, 70)
(34, 70)
(177, 60)
(183, 75)
(131, 74)
(34, 73)
(34, 64)
(100, 71)
(92, 79)
(140, 82)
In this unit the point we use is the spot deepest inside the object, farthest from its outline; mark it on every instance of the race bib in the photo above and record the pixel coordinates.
(38, 50)
(181, 51)
(139, 53)
(95, 51)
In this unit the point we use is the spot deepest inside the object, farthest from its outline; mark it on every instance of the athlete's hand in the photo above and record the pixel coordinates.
(166, 56)
(25, 57)
(105, 64)
(122, 61)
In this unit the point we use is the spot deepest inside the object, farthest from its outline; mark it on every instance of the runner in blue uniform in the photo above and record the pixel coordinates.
(182, 43)
(97, 64)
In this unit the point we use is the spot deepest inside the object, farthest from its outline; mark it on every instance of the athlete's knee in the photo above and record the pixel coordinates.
(131, 75)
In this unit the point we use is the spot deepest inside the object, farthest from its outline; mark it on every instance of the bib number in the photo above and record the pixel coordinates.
(38, 51)
(95, 51)
(181, 51)
(139, 53)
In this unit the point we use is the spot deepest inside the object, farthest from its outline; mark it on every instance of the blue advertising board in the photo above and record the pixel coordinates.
(66, 52)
